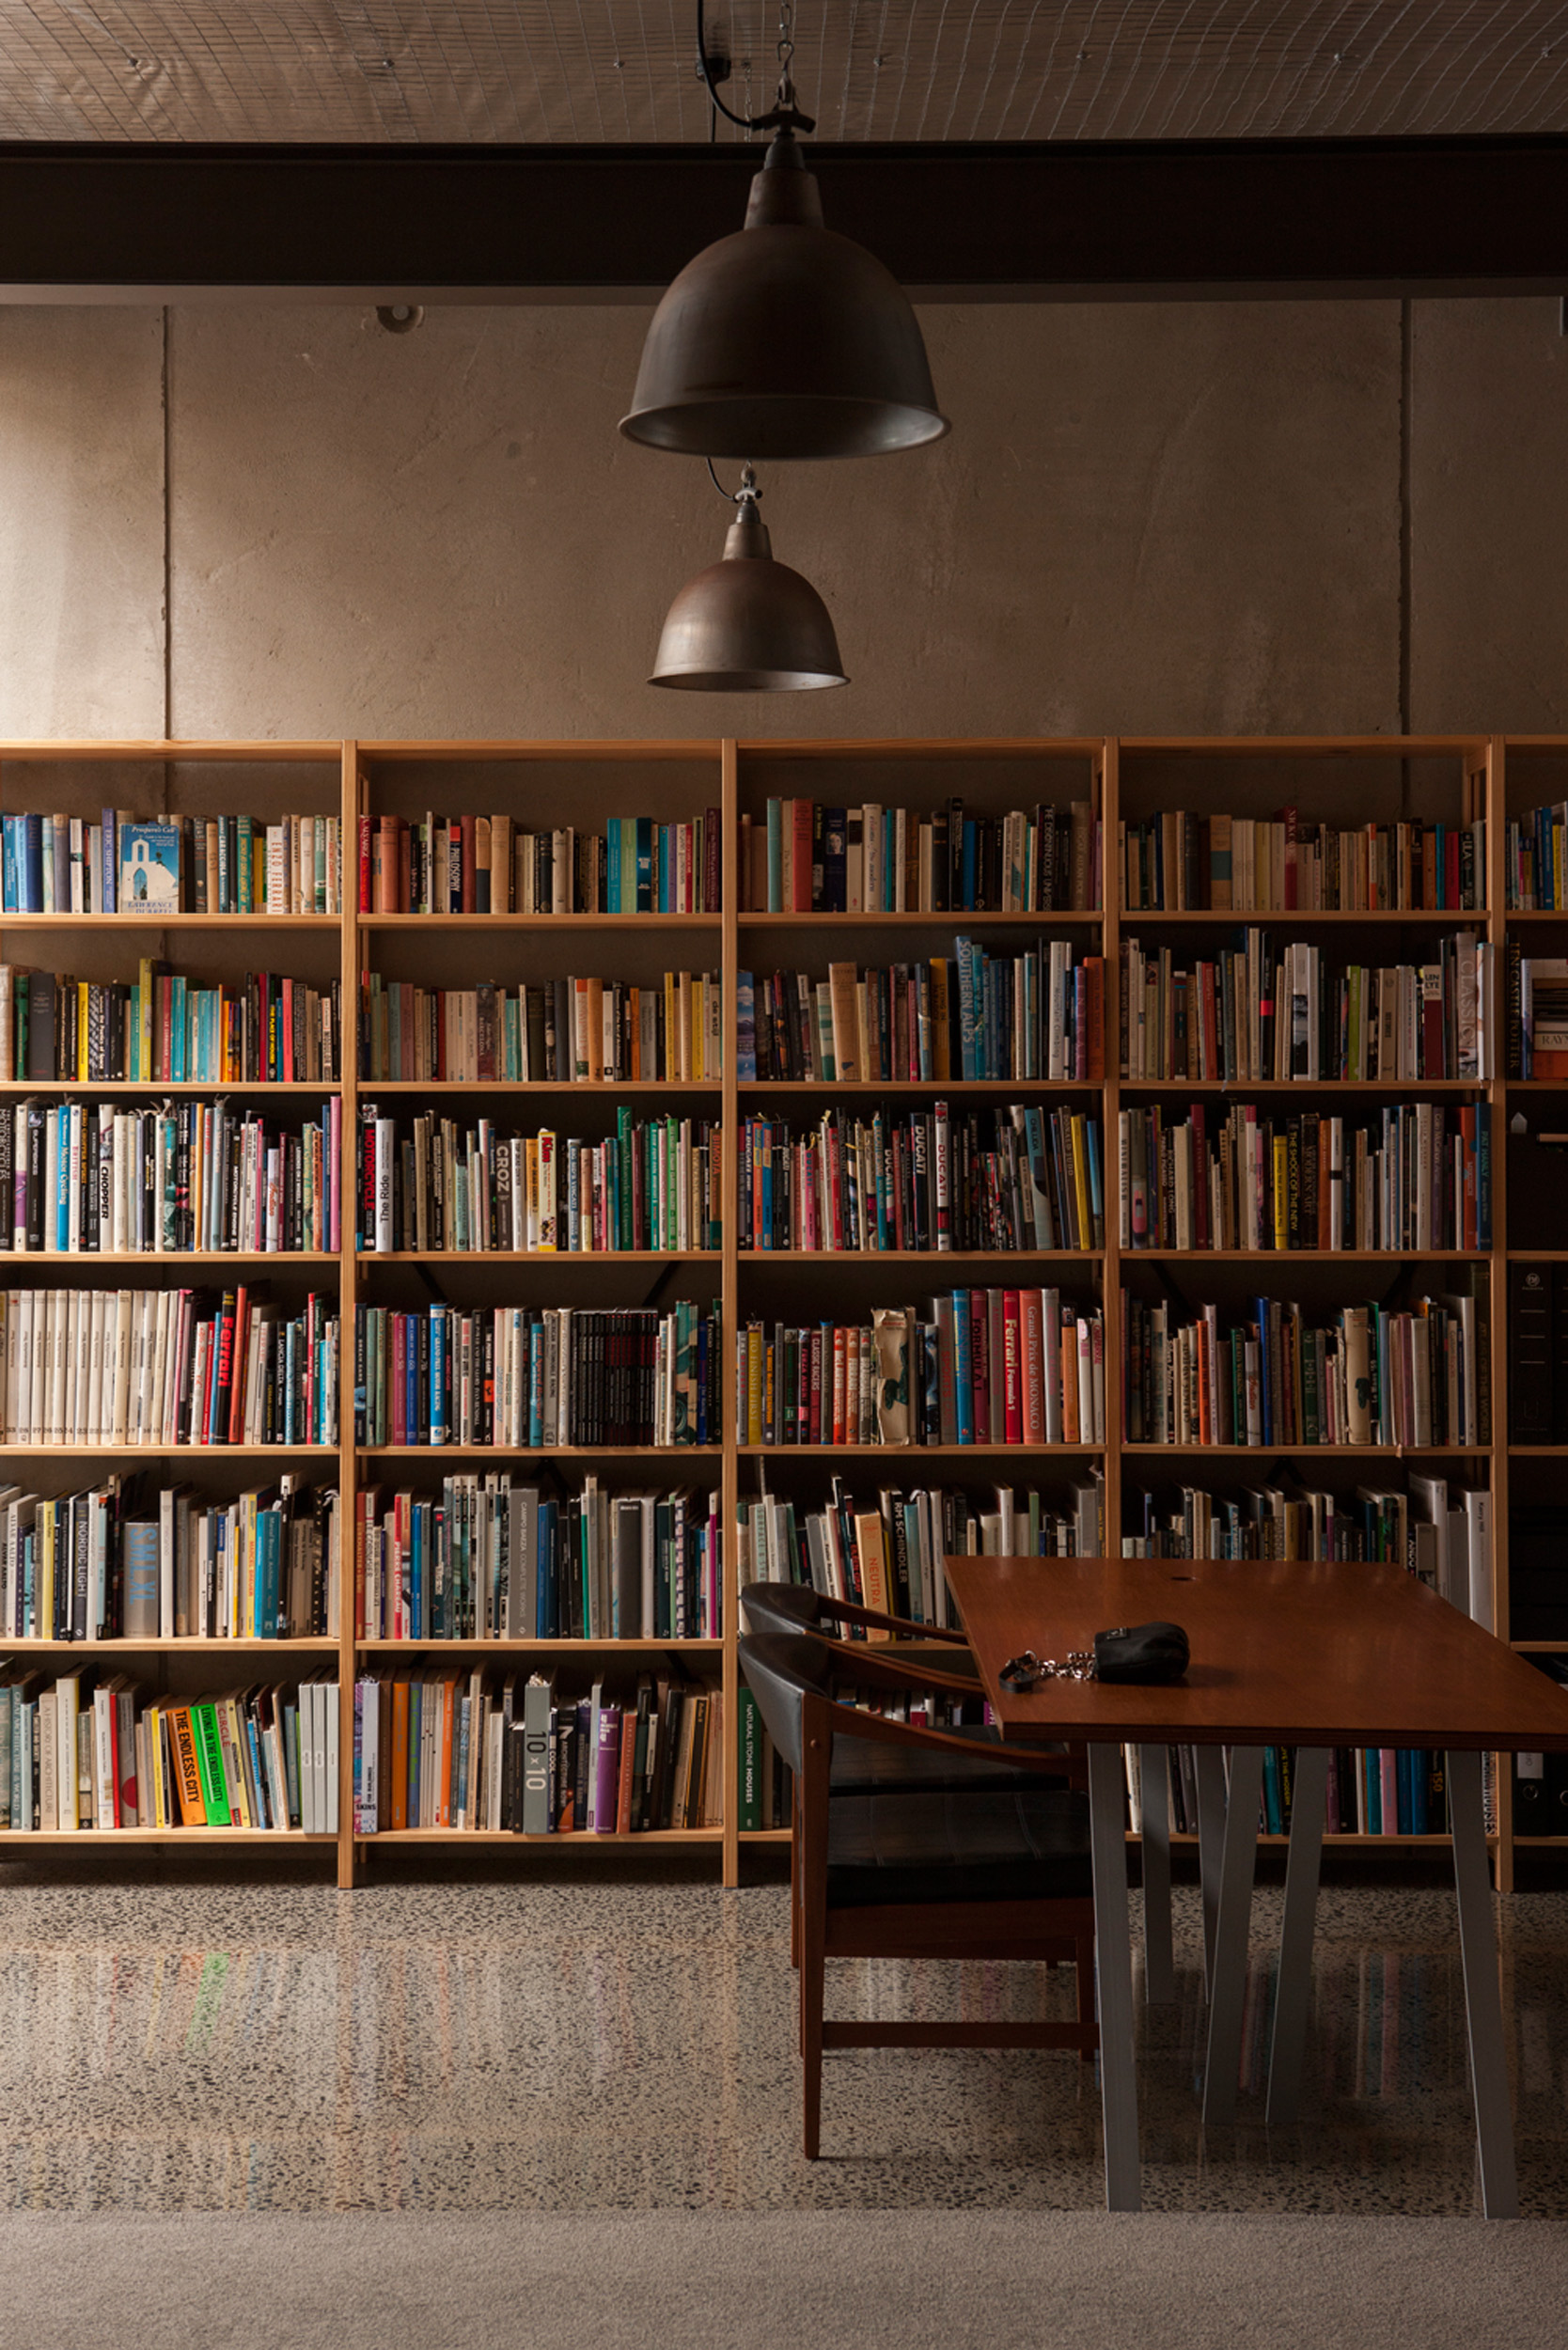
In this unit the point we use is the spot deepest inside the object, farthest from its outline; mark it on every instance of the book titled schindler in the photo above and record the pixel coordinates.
(149, 869)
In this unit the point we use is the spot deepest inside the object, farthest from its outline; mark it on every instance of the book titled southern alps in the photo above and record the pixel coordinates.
(149, 869)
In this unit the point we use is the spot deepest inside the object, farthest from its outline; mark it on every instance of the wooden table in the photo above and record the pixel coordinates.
(1293, 1653)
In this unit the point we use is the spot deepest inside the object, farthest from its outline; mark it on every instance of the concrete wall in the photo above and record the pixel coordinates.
(1219, 517)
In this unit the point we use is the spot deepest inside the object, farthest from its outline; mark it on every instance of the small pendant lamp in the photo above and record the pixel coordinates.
(746, 624)
(784, 340)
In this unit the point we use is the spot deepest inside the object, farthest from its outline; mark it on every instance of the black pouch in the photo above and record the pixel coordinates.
(1141, 1651)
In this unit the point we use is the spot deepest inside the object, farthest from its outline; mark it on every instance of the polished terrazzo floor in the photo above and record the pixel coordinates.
(573, 2037)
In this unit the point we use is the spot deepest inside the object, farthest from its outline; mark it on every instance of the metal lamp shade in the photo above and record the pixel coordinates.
(748, 625)
(784, 342)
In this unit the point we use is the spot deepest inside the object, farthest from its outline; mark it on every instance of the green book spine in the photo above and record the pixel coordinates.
(751, 1760)
(209, 1751)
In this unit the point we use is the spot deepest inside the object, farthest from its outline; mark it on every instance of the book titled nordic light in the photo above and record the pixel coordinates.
(149, 869)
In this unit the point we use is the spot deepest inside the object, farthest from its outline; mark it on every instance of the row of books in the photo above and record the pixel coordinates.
(168, 1029)
(1374, 1375)
(1536, 1012)
(1257, 1010)
(982, 1366)
(801, 856)
(459, 1751)
(537, 1376)
(166, 1367)
(1413, 1176)
(569, 1030)
(81, 1753)
(1535, 859)
(485, 1558)
(122, 1561)
(1177, 861)
(888, 1554)
(1436, 1526)
(492, 865)
(1039, 1014)
(93, 1178)
(1372, 1790)
(55, 863)
(1019, 1178)
(429, 1183)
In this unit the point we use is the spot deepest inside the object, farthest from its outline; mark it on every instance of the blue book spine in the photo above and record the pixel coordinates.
(1371, 1769)
(964, 1368)
(612, 865)
(1266, 1396)
(969, 870)
(33, 864)
(535, 1382)
(644, 865)
(775, 857)
(269, 1547)
(108, 879)
(1096, 1181)
(746, 1027)
(438, 1376)
(7, 836)
(890, 859)
(667, 868)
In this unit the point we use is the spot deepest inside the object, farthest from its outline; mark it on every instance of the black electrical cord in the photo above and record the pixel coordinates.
(782, 115)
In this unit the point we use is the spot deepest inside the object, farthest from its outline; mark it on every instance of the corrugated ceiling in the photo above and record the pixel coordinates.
(624, 70)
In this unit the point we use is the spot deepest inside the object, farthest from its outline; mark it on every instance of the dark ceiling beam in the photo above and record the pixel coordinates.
(1072, 221)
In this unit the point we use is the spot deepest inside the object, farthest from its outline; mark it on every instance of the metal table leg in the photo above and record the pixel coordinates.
(1209, 1768)
(1478, 1943)
(1159, 1966)
(1113, 1964)
(1293, 1991)
(1228, 1973)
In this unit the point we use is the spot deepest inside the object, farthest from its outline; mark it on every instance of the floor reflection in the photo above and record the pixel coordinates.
(574, 2041)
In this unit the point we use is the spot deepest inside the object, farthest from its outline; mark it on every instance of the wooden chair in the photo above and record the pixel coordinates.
(988, 1872)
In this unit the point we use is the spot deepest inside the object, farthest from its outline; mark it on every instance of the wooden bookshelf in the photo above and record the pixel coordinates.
(1470, 776)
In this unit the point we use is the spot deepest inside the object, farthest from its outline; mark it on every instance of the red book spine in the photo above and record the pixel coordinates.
(405, 865)
(712, 837)
(979, 1362)
(1012, 1398)
(239, 1335)
(801, 818)
(366, 903)
(814, 1392)
(288, 1018)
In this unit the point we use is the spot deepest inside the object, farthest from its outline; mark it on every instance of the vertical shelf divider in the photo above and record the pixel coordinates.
(731, 1292)
(351, 1856)
(1487, 789)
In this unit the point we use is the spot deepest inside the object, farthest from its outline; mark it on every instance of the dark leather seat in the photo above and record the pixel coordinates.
(961, 1871)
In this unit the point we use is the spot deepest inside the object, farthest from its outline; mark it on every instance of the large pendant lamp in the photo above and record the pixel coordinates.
(746, 624)
(784, 340)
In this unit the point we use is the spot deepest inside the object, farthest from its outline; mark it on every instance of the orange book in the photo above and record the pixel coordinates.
(187, 1777)
(623, 1783)
(1068, 1377)
(1032, 1348)
(449, 1701)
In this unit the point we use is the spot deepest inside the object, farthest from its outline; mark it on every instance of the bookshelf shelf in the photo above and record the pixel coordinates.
(935, 1088)
(83, 1836)
(923, 918)
(367, 1257)
(181, 1645)
(512, 1836)
(1287, 917)
(553, 1087)
(237, 1258)
(250, 927)
(938, 1257)
(670, 1452)
(487, 1647)
(97, 1087)
(534, 923)
(1305, 1256)
(1341, 777)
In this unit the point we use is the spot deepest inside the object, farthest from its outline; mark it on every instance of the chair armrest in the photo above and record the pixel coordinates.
(884, 1669)
(846, 1611)
(847, 1721)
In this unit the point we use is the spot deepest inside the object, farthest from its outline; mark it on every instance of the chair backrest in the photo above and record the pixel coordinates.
(784, 1608)
(780, 1670)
